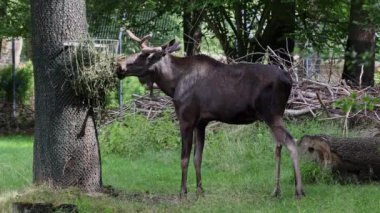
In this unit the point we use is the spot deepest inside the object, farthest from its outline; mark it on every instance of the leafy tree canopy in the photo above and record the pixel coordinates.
(14, 18)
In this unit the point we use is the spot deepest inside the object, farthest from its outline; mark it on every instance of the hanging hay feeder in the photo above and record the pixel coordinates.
(90, 68)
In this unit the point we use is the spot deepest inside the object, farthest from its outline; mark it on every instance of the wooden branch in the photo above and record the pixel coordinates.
(323, 105)
(291, 112)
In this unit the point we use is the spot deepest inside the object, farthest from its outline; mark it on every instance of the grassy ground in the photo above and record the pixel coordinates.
(238, 174)
(15, 162)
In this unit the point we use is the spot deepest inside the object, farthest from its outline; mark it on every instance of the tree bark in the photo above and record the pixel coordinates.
(66, 150)
(349, 158)
(359, 63)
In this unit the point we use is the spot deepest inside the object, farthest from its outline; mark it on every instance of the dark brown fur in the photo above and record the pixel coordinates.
(205, 90)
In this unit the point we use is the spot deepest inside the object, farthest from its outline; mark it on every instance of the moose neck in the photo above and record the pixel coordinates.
(167, 74)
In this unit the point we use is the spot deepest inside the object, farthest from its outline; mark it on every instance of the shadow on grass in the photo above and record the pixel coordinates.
(142, 197)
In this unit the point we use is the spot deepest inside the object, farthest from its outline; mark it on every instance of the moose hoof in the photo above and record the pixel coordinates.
(276, 192)
(300, 195)
(183, 196)
(200, 192)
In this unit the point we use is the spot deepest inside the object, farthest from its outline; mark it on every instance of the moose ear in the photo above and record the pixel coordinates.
(171, 46)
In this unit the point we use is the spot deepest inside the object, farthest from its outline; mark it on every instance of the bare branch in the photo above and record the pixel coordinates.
(133, 36)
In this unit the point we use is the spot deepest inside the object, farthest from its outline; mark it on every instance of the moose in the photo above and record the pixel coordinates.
(204, 89)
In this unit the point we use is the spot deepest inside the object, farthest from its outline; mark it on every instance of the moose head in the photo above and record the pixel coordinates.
(142, 64)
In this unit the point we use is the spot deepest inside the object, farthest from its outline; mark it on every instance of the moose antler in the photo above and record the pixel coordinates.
(143, 43)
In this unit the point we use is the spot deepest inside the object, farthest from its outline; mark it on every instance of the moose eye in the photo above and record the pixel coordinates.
(310, 149)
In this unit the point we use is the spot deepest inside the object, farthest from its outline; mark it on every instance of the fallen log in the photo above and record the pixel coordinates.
(350, 159)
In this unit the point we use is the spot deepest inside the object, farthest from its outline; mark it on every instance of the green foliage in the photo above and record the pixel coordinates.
(377, 76)
(135, 134)
(160, 18)
(313, 173)
(131, 85)
(356, 103)
(373, 9)
(323, 24)
(14, 18)
(24, 83)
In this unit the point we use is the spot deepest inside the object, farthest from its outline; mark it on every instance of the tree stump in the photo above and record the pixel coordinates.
(350, 159)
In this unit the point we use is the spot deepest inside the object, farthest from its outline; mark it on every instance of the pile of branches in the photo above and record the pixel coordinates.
(309, 96)
(335, 101)
(151, 106)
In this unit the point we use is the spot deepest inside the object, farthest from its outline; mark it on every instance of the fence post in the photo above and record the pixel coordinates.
(120, 90)
(14, 78)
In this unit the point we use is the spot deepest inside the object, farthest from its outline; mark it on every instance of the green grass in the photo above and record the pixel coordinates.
(15, 162)
(238, 176)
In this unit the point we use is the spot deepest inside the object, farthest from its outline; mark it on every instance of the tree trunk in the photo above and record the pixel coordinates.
(277, 34)
(66, 150)
(192, 33)
(349, 158)
(359, 64)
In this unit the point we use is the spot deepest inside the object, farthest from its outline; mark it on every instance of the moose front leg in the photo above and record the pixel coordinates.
(187, 141)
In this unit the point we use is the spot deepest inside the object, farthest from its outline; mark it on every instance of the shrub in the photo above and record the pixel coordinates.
(135, 134)
(131, 85)
(24, 83)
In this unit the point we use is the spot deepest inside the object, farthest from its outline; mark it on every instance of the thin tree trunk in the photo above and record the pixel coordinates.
(359, 64)
(66, 151)
(192, 32)
(277, 34)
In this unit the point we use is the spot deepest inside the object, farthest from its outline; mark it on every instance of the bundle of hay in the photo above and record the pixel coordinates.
(90, 68)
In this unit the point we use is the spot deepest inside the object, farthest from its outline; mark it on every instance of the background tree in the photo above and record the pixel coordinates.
(279, 31)
(322, 25)
(66, 151)
(244, 29)
(234, 24)
(359, 63)
(192, 18)
(14, 19)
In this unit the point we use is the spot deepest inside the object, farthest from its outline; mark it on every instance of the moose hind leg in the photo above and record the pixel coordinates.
(198, 152)
(187, 141)
(277, 151)
(282, 136)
